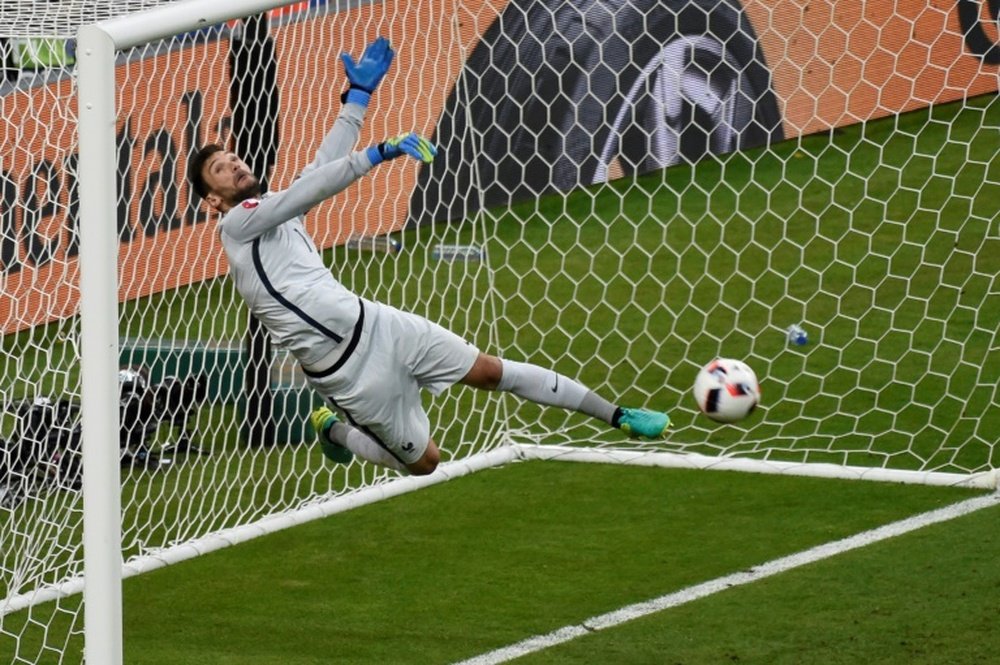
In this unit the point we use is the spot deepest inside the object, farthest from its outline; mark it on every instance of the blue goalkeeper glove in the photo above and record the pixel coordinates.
(411, 143)
(365, 75)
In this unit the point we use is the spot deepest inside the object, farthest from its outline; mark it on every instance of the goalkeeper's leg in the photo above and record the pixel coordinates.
(338, 440)
(545, 386)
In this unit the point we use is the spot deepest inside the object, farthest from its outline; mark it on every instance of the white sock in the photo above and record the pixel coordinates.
(363, 446)
(544, 386)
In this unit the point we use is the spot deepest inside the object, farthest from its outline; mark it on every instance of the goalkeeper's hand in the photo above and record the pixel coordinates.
(411, 144)
(365, 75)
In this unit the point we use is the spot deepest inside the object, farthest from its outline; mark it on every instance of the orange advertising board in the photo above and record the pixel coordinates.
(825, 64)
(840, 63)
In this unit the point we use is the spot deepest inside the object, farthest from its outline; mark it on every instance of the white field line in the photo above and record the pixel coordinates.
(818, 553)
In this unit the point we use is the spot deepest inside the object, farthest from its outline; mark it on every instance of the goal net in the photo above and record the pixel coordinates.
(623, 192)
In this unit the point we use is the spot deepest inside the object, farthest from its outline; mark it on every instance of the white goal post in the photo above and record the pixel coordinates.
(624, 191)
(98, 47)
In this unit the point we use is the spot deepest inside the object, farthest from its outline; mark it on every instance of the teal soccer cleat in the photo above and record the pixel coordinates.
(644, 423)
(322, 420)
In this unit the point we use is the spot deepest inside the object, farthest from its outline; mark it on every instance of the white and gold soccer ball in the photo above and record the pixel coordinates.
(727, 390)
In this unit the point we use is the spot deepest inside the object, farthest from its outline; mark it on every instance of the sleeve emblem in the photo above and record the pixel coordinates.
(250, 204)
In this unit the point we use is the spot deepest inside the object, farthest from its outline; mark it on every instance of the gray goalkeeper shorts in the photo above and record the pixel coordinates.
(377, 389)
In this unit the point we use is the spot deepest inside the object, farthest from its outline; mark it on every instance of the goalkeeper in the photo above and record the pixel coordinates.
(367, 360)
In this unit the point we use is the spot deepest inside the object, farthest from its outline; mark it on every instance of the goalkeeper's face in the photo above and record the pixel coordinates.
(229, 181)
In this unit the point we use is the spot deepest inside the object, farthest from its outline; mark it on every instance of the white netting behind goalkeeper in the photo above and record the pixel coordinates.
(201, 449)
(623, 191)
(804, 187)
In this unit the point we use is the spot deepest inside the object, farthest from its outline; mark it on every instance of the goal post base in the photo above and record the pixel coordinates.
(984, 480)
(505, 454)
(161, 558)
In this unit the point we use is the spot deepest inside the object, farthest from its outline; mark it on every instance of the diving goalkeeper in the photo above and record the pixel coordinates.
(367, 360)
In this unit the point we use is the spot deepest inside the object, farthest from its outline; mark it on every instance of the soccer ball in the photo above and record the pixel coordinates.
(726, 390)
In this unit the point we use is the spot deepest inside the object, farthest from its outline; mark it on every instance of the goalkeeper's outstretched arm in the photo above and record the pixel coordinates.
(224, 181)
(363, 78)
(323, 183)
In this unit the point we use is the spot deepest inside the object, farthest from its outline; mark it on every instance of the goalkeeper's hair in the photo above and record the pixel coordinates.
(197, 165)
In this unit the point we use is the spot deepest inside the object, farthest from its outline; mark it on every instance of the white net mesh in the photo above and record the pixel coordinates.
(776, 207)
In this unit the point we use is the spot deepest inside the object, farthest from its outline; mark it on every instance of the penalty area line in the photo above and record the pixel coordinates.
(818, 553)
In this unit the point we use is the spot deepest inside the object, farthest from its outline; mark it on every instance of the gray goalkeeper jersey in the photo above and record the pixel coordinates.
(275, 264)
